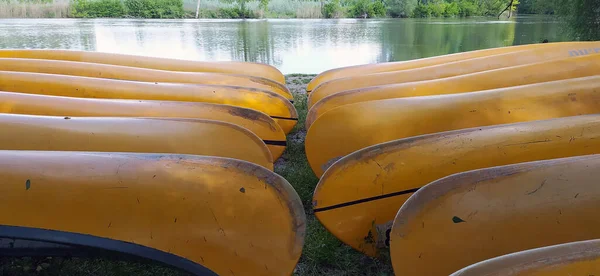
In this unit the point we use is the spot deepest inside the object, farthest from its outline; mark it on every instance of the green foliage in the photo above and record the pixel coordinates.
(366, 8)
(134, 8)
(155, 8)
(332, 9)
(378, 9)
(97, 8)
(264, 5)
(235, 12)
(466, 8)
(452, 10)
(31, 1)
(401, 8)
(536, 7)
(582, 17)
(463, 8)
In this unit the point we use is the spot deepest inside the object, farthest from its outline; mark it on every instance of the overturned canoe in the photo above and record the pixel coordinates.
(496, 211)
(111, 134)
(561, 69)
(257, 122)
(574, 258)
(359, 196)
(368, 123)
(197, 213)
(106, 71)
(276, 106)
(231, 67)
(578, 48)
(445, 70)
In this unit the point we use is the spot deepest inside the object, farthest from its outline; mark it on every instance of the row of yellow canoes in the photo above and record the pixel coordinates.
(164, 159)
(379, 134)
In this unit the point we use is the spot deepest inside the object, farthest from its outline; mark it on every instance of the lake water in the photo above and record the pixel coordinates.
(293, 46)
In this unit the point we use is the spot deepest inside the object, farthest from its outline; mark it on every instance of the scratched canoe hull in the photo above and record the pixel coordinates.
(276, 106)
(144, 135)
(359, 196)
(230, 67)
(368, 123)
(567, 68)
(259, 123)
(196, 213)
(451, 69)
(496, 211)
(350, 71)
(575, 258)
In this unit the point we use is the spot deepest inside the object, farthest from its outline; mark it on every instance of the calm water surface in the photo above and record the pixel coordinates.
(293, 46)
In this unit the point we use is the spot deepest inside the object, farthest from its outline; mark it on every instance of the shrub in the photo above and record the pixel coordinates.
(401, 8)
(422, 11)
(155, 8)
(235, 13)
(97, 8)
(452, 10)
(362, 8)
(332, 9)
(466, 8)
(437, 9)
(378, 8)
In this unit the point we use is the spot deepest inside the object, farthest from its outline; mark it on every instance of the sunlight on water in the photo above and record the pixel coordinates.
(293, 46)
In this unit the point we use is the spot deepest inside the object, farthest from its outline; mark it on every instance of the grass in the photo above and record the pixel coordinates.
(323, 254)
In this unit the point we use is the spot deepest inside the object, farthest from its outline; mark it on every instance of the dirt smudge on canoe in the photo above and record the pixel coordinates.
(252, 115)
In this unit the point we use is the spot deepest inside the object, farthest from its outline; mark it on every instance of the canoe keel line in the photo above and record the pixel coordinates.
(364, 200)
(75, 241)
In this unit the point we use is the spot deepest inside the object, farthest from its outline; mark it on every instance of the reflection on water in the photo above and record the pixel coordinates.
(293, 46)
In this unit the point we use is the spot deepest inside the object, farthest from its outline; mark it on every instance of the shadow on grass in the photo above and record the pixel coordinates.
(323, 253)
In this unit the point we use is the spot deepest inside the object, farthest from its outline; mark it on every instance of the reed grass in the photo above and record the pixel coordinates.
(15, 9)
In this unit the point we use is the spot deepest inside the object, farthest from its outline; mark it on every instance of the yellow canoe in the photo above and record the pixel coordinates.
(276, 106)
(196, 213)
(106, 71)
(368, 123)
(445, 70)
(257, 122)
(578, 48)
(111, 134)
(359, 196)
(506, 77)
(230, 67)
(491, 212)
(574, 258)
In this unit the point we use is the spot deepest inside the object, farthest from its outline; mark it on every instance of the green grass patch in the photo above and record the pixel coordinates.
(323, 254)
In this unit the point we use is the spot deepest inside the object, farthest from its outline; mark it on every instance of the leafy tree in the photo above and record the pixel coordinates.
(366, 8)
(582, 17)
(536, 7)
(378, 8)
(452, 10)
(264, 5)
(97, 8)
(332, 9)
(401, 8)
